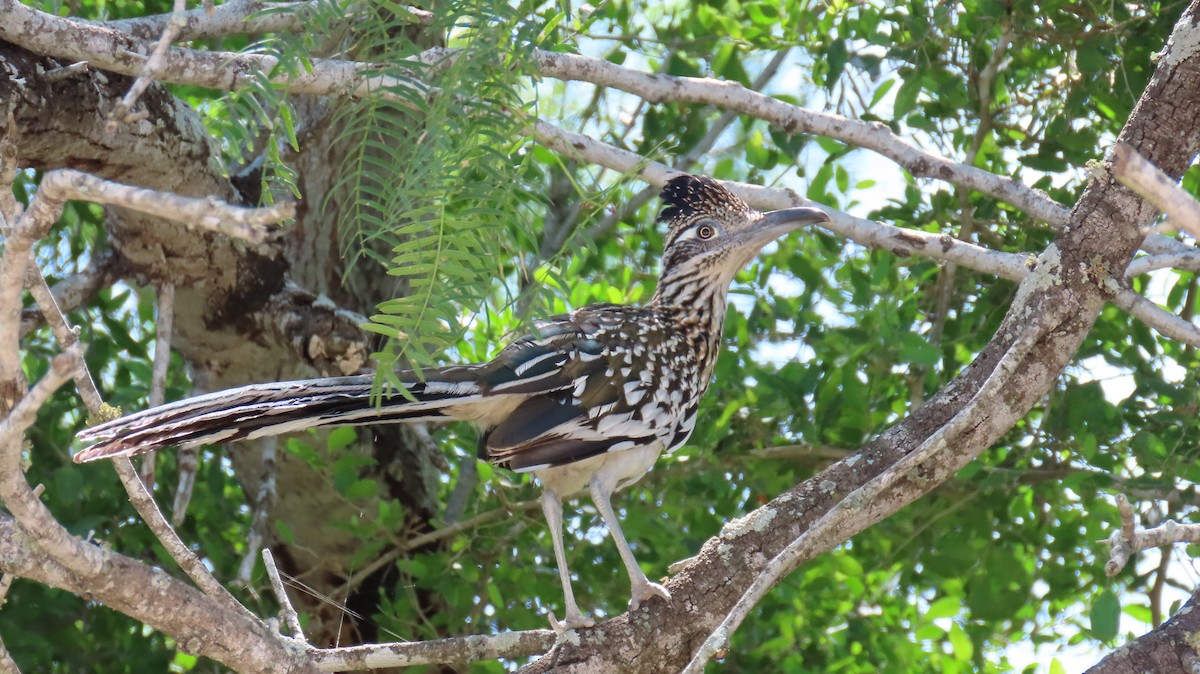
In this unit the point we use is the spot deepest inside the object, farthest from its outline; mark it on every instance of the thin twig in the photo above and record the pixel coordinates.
(71, 292)
(264, 501)
(65, 72)
(187, 560)
(63, 332)
(158, 378)
(436, 535)
(289, 612)
(1127, 541)
(151, 69)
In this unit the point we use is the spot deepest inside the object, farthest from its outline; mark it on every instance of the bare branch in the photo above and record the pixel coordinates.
(64, 334)
(1163, 321)
(904, 242)
(289, 612)
(1154, 186)
(152, 67)
(794, 119)
(227, 71)
(1011, 266)
(1186, 260)
(239, 222)
(454, 650)
(179, 551)
(56, 187)
(1127, 541)
(70, 292)
(240, 17)
(202, 626)
(15, 492)
(138, 495)
(158, 377)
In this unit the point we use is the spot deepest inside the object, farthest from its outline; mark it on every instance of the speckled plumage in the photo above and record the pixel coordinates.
(588, 401)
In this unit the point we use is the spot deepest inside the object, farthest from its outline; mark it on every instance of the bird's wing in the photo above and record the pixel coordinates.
(592, 389)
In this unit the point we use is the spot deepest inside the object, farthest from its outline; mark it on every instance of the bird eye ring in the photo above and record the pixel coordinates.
(706, 231)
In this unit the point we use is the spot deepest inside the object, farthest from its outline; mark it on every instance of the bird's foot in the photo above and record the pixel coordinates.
(643, 591)
(573, 620)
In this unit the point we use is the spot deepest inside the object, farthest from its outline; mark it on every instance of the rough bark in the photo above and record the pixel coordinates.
(199, 623)
(242, 314)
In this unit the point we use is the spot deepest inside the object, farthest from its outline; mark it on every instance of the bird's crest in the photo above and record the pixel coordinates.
(688, 197)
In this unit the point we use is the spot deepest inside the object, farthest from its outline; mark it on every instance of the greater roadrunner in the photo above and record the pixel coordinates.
(590, 400)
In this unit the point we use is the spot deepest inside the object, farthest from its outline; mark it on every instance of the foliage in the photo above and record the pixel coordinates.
(828, 343)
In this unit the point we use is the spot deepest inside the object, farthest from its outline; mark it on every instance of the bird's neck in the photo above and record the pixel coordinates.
(697, 304)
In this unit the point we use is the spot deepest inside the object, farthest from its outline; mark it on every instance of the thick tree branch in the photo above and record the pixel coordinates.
(199, 624)
(72, 555)
(794, 119)
(1154, 186)
(455, 650)
(828, 531)
(227, 71)
(902, 242)
(239, 17)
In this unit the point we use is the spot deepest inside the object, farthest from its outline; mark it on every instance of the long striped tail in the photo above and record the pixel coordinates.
(261, 410)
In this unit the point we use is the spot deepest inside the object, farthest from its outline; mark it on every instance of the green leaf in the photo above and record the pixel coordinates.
(964, 650)
(341, 438)
(1105, 616)
(946, 607)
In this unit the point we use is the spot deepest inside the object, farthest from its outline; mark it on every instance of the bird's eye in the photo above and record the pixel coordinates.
(706, 231)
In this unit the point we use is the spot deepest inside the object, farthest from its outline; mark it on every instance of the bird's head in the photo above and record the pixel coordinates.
(711, 233)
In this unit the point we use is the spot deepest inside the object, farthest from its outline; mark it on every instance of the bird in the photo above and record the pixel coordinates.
(587, 401)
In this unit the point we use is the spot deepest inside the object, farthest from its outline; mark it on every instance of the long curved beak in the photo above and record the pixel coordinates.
(773, 225)
(793, 217)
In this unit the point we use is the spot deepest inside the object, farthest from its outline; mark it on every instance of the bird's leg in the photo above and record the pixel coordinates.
(552, 506)
(641, 588)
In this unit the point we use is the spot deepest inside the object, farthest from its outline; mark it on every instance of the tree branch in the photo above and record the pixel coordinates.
(455, 650)
(794, 119)
(240, 17)
(226, 71)
(1127, 541)
(1154, 186)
